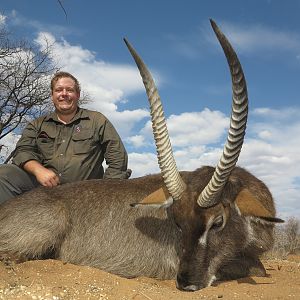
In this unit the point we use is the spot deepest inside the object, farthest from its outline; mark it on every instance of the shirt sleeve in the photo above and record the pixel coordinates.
(26, 148)
(114, 153)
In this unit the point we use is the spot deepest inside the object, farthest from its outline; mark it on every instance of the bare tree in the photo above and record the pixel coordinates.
(292, 232)
(24, 82)
(287, 239)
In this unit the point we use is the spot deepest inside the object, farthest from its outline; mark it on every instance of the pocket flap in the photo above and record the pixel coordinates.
(84, 134)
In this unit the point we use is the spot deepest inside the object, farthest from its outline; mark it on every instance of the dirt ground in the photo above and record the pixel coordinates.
(50, 279)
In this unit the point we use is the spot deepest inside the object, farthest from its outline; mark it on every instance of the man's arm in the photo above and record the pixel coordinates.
(26, 148)
(44, 176)
(26, 156)
(115, 154)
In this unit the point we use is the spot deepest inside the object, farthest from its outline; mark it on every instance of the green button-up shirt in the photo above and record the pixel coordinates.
(75, 151)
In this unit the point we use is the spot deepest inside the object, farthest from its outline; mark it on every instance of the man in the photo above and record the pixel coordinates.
(68, 145)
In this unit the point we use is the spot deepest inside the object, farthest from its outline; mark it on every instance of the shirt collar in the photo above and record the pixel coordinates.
(80, 114)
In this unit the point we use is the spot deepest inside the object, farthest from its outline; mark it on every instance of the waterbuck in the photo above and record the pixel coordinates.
(196, 227)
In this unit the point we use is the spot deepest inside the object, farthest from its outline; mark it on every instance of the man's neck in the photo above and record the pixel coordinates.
(65, 119)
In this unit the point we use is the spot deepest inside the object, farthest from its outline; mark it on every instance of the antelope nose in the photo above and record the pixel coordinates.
(183, 285)
(190, 288)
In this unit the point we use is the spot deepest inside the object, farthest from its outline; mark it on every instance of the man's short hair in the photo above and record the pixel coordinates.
(62, 74)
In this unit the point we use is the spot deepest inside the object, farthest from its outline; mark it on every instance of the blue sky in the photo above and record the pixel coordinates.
(176, 42)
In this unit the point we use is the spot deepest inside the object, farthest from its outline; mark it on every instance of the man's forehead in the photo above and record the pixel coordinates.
(65, 81)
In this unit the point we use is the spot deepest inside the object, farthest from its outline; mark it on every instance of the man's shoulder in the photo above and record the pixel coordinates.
(93, 114)
(40, 119)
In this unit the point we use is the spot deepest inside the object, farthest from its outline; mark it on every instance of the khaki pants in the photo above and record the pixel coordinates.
(14, 181)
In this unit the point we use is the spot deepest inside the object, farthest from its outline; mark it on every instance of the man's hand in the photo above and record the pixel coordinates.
(44, 176)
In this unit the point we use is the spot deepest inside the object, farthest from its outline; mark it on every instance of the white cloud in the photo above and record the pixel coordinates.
(197, 128)
(136, 141)
(125, 120)
(193, 128)
(2, 19)
(143, 163)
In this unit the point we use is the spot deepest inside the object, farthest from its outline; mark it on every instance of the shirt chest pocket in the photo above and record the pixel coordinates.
(46, 143)
(83, 142)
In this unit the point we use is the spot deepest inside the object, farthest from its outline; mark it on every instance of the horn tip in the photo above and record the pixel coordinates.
(130, 48)
(213, 23)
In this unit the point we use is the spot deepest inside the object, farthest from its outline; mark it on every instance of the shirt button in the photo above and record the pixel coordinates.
(63, 141)
(61, 154)
(59, 174)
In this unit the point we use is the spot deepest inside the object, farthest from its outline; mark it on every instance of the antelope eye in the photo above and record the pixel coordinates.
(218, 223)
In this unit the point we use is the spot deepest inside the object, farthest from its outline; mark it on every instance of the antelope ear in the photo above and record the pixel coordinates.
(249, 205)
(159, 198)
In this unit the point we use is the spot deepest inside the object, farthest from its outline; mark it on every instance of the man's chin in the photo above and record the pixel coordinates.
(66, 110)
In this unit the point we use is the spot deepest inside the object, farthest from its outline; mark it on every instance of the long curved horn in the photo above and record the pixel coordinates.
(166, 161)
(210, 194)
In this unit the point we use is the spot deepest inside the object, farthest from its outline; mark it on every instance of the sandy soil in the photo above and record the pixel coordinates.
(50, 279)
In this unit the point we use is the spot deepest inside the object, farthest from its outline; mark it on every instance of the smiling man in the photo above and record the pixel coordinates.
(67, 145)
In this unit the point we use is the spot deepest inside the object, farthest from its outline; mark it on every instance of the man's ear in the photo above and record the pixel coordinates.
(249, 205)
(159, 198)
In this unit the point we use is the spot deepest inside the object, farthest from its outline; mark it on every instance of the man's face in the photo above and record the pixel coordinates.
(64, 96)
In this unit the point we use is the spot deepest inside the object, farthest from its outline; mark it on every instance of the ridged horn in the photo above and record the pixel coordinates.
(210, 194)
(166, 161)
